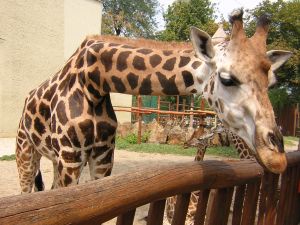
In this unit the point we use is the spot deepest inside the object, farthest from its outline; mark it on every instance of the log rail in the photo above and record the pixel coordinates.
(244, 184)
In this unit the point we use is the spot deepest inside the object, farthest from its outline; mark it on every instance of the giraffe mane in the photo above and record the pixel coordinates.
(143, 43)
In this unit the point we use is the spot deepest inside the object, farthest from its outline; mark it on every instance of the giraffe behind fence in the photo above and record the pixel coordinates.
(215, 137)
(69, 118)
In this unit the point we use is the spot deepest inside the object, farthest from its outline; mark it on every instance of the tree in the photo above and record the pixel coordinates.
(129, 18)
(284, 34)
(181, 15)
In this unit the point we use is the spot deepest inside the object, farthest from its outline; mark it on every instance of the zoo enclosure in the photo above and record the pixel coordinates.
(254, 194)
(178, 113)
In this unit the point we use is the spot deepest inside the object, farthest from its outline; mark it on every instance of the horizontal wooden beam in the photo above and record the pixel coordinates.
(101, 200)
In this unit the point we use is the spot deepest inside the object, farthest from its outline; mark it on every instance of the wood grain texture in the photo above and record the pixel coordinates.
(201, 207)
(126, 218)
(181, 208)
(99, 201)
(156, 212)
(94, 202)
(238, 205)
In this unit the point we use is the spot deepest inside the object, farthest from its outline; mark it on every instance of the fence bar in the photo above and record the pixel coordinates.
(201, 207)
(156, 212)
(126, 218)
(181, 208)
(101, 200)
(250, 203)
(271, 197)
(158, 108)
(296, 205)
(217, 215)
(139, 136)
(238, 205)
(292, 195)
(282, 205)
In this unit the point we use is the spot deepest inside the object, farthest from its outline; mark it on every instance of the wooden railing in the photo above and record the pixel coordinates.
(243, 184)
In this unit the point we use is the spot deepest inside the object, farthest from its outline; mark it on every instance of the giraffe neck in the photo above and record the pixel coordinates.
(105, 67)
(201, 149)
(242, 148)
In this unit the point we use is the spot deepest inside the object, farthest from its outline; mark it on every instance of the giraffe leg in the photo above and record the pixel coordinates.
(56, 178)
(101, 161)
(38, 181)
(28, 163)
(68, 168)
(170, 208)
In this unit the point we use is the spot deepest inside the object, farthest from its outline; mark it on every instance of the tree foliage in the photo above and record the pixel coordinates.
(181, 15)
(129, 18)
(284, 34)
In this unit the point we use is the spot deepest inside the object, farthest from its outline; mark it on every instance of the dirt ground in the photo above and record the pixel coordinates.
(125, 161)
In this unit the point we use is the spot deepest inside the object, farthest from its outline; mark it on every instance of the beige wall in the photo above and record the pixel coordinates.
(30, 53)
(81, 18)
(118, 99)
(36, 37)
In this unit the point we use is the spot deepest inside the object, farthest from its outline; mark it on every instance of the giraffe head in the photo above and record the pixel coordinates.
(241, 70)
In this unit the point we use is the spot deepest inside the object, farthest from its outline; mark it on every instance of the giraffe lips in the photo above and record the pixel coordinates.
(274, 162)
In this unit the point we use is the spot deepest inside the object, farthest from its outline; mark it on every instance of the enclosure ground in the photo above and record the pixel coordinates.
(125, 161)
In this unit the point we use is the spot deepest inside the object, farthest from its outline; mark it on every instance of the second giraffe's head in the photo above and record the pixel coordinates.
(240, 73)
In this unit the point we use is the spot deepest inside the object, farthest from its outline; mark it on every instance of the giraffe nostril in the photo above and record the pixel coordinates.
(272, 139)
(276, 140)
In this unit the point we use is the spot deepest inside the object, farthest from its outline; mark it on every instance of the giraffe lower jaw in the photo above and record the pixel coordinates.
(274, 162)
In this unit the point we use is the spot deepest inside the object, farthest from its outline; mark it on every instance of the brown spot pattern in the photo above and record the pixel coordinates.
(61, 113)
(184, 61)
(122, 60)
(76, 103)
(168, 85)
(87, 129)
(119, 86)
(169, 64)
(132, 80)
(146, 88)
(155, 60)
(138, 63)
(106, 58)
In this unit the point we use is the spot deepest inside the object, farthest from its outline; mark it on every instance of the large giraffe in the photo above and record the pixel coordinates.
(70, 120)
(216, 137)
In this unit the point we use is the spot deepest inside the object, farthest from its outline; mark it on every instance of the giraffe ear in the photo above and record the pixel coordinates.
(278, 57)
(202, 44)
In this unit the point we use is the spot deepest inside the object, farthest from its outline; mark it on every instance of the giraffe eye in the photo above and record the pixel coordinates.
(228, 80)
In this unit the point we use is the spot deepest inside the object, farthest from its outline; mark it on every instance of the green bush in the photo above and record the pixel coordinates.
(133, 138)
(8, 157)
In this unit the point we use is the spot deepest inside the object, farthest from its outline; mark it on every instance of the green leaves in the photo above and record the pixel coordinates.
(181, 15)
(129, 18)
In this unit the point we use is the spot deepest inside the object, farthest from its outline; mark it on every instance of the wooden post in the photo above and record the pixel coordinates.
(158, 108)
(183, 106)
(192, 107)
(202, 104)
(202, 107)
(177, 105)
(139, 120)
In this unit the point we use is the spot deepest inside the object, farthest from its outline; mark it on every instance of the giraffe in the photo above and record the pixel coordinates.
(211, 139)
(69, 118)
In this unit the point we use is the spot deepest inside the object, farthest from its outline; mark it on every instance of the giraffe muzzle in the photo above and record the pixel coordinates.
(270, 152)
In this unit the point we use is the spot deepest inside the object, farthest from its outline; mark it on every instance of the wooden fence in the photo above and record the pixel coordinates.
(243, 184)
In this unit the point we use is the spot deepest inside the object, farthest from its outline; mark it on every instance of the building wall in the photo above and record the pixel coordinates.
(81, 18)
(118, 99)
(31, 50)
(36, 37)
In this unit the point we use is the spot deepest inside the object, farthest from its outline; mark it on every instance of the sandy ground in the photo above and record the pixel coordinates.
(125, 161)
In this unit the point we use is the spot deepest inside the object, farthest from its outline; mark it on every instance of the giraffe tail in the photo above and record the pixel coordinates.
(38, 182)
